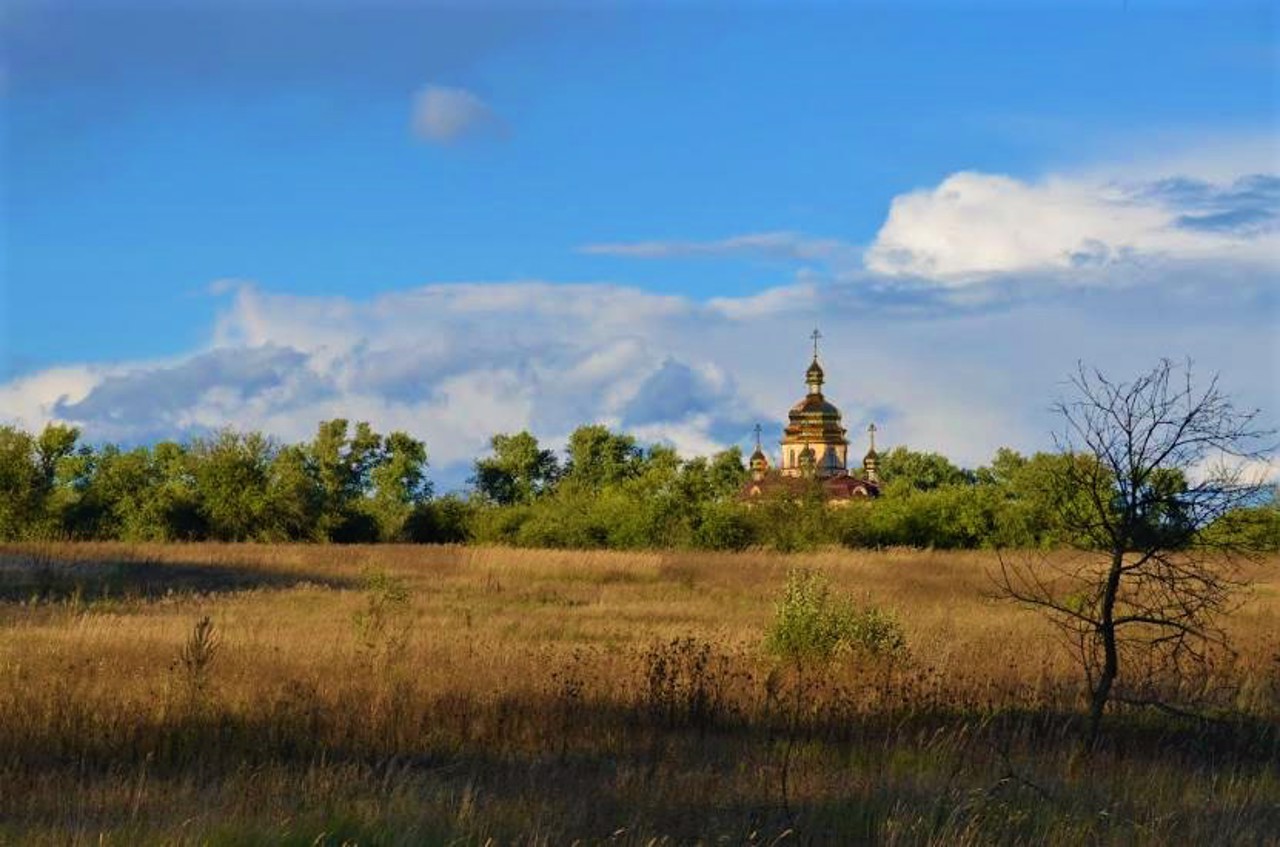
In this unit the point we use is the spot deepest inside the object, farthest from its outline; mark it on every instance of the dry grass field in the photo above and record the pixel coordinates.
(410, 695)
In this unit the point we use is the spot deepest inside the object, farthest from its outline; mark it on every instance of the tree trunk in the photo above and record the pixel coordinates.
(1110, 657)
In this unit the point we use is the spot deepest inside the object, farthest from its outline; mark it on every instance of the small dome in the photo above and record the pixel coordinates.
(814, 374)
(815, 404)
(759, 458)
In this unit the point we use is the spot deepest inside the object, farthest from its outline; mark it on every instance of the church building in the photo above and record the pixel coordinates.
(815, 452)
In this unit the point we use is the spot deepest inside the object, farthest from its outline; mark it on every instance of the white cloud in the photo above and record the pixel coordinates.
(443, 115)
(799, 296)
(974, 226)
(29, 401)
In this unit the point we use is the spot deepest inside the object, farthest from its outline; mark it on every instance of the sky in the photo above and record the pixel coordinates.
(465, 219)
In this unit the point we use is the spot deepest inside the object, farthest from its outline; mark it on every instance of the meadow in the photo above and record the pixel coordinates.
(472, 695)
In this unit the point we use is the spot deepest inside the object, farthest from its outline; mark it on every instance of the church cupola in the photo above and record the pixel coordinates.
(813, 376)
(871, 462)
(759, 461)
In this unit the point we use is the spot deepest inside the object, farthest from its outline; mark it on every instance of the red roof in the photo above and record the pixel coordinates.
(841, 486)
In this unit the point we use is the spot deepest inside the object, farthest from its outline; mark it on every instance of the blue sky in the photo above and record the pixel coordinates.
(182, 182)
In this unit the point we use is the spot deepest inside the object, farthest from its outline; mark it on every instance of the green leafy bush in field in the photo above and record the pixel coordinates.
(810, 623)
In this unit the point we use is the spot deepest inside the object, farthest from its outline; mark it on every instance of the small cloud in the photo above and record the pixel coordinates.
(798, 296)
(444, 115)
(787, 246)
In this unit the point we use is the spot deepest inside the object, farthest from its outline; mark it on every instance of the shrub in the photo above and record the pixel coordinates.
(447, 520)
(876, 631)
(494, 525)
(724, 526)
(382, 627)
(812, 624)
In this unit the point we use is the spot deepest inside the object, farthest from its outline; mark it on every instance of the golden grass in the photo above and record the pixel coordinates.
(523, 707)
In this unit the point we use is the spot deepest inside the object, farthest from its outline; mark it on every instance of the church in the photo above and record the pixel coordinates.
(815, 451)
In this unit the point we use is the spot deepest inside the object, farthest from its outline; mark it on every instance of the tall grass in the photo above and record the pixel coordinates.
(407, 695)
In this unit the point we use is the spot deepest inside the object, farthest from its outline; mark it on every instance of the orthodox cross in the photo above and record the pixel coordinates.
(816, 335)
(872, 430)
(757, 436)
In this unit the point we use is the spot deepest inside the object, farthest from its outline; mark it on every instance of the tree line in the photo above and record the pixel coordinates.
(352, 484)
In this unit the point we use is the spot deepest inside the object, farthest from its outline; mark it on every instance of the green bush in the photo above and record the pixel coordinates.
(446, 520)
(875, 631)
(498, 525)
(723, 526)
(810, 623)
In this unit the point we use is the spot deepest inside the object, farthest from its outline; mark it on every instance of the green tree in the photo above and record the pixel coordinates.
(174, 502)
(115, 501)
(1252, 527)
(518, 471)
(400, 485)
(902, 468)
(295, 497)
(55, 443)
(342, 461)
(20, 496)
(728, 473)
(599, 457)
(232, 472)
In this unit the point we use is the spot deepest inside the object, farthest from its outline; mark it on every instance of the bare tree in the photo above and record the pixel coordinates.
(1148, 466)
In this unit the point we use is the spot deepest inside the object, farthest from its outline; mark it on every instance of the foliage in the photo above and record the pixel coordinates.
(444, 520)
(599, 457)
(351, 484)
(345, 485)
(232, 473)
(383, 626)
(910, 469)
(810, 624)
(399, 484)
(518, 471)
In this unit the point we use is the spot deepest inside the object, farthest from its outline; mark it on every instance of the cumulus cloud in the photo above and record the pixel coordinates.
(193, 393)
(984, 240)
(444, 115)
(30, 401)
(974, 226)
